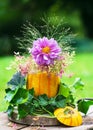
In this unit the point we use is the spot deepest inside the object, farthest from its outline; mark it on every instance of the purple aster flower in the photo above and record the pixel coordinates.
(45, 51)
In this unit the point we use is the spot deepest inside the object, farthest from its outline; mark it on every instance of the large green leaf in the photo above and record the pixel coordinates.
(36, 103)
(70, 99)
(20, 97)
(52, 101)
(84, 105)
(60, 101)
(23, 110)
(17, 80)
(10, 94)
(43, 100)
(31, 94)
(10, 110)
(78, 84)
(63, 90)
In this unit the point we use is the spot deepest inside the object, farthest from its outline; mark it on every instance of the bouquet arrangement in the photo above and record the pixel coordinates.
(37, 87)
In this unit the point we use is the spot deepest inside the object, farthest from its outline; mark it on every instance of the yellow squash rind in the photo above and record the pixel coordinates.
(71, 118)
(43, 83)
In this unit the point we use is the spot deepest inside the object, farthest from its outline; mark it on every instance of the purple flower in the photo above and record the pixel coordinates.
(45, 51)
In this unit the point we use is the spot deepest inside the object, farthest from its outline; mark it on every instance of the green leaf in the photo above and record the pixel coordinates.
(60, 101)
(52, 101)
(70, 99)
(10, 110)
(33, 110)
(10, 94)
(63, 90)
(84, 105)
(20, 97)
(17, 80)
(31, 91)
(78, 84)
(23, 110)
(36, 103)
(31, 95)
(43, 100)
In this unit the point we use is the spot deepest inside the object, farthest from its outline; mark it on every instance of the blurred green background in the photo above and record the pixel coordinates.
(77, 14)
(14, 13)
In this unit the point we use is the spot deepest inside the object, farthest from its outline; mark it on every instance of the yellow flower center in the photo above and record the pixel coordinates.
(46, 49)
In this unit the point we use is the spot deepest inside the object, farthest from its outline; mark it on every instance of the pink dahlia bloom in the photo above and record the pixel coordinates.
(45, 51)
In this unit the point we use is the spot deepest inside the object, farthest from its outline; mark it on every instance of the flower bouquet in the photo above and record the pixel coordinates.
(37, 86)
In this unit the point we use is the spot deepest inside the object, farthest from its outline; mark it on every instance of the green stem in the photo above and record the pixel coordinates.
(51, 114)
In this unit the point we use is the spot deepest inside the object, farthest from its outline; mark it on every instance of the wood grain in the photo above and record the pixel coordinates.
(44, 121)
(35, 120)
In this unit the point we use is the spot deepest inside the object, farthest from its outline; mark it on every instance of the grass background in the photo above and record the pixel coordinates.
(82, 67)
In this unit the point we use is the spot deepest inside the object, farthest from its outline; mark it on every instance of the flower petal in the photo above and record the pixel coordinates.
(40, 56)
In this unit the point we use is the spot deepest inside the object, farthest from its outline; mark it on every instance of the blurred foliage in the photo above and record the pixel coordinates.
(14, 13)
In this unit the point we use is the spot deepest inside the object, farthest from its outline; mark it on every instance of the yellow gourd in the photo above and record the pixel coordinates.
(68, 116)
(43, 83)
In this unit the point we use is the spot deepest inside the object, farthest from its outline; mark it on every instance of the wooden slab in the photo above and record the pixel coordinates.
(35, 120)
(83, 127)
(87, 124)
(45, 121)
(5, 124)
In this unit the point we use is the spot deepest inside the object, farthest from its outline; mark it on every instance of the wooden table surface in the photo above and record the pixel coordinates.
(6, 124)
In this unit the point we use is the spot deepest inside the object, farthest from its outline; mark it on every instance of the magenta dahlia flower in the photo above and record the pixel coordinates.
(45, 51)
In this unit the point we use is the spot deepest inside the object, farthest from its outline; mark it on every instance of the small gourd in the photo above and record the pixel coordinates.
(68, 116)
(43, 83)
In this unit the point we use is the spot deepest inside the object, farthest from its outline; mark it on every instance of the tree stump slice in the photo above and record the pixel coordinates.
(35, 120)
(48, 120)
